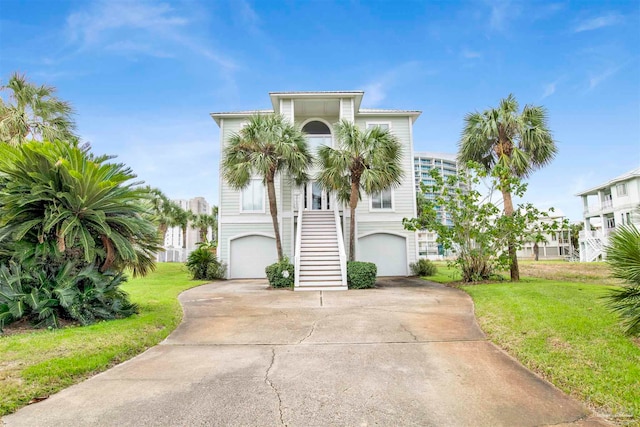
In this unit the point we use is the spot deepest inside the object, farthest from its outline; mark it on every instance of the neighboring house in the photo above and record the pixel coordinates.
(318, 248)
(607, 206)
(557, 245)
(423, 163)
(173, 238)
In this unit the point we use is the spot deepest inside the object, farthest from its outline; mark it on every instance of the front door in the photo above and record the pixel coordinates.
(315, 199)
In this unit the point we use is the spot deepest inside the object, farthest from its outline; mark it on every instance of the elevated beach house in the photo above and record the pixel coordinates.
(314, 226)
(607, 206)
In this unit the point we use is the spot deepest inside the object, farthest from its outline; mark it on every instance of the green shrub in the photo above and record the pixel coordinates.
(361, 275)
(45, 293)
(204, 265)
(281, 274)
(423, 267)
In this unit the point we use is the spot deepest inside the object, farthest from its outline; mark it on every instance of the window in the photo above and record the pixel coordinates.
(318, 133)
(253, 196)
(381, 125)
(382, 200)
(621, 189)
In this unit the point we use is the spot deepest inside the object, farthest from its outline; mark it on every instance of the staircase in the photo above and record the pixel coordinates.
(320, 255)
(594, 248)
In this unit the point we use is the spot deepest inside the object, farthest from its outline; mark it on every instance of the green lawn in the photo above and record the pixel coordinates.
(40, 363)
(562, 331)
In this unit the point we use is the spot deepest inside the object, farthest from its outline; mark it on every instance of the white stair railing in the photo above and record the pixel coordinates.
(343, 255)
(298, 252)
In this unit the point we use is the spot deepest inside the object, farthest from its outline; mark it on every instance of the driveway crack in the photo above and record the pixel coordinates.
(313, 328)
(270, 384)
(415, 338)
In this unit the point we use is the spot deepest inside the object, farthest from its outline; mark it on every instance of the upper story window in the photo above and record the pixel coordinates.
(252, 198)
(318, 133)
(381, 125)
(382, 200)
(621, 189)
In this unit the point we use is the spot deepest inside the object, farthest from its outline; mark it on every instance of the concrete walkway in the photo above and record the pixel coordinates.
(407, 354)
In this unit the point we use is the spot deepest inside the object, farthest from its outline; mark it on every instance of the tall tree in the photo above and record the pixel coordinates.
(269, 145)
(33, 112)
(164, 211)
(182, 219)
(202, 222)
(517, 143)
(365, 160)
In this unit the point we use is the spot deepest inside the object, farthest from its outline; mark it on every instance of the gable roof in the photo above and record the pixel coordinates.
(635, 173)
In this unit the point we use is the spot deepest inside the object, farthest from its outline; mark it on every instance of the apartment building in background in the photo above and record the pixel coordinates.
(174, 238)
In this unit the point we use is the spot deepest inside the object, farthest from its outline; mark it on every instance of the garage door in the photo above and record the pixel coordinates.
(387, 251)
(250, 255)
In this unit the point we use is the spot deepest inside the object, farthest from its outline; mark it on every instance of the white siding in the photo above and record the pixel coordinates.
(346, 109)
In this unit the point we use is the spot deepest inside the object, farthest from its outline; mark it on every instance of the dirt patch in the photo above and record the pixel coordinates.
(583, 272)
(23, 326)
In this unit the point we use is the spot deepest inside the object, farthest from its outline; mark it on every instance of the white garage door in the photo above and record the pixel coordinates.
(250, 255)
(387, 251)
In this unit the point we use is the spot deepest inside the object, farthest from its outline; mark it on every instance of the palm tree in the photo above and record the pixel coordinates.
(516, 143)
(202, 222)
(368, 161)
(36, 113)
(59, 200)
(269, 145)
(623, 256)
(182, 218)
(164, 211)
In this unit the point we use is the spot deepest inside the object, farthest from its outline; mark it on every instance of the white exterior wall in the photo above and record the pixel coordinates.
(234, 223)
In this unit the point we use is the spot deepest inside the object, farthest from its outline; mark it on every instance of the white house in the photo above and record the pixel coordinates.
(606, 206)
(557, 245)
(314, 227)
(423, 163)
(173, 238)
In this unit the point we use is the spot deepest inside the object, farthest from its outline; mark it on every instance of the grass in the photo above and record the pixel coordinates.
(37, 364)
(561, 330)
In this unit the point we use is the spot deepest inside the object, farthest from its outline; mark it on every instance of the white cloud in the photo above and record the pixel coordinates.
(470, 54)
(598, 22)
(376, 90)
(549, 89)
(595, 80)
(140, 28)
(502, 12)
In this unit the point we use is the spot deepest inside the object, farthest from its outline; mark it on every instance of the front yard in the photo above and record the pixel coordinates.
(34, 365)
(561, 330)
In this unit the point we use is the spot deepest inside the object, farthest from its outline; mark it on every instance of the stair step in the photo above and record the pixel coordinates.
(314, 271)
(319, 239)
(318, 267)
(333, 263)
(320, 258)
(317, 249)
(319, 244)
(320, 288)
(319, 278)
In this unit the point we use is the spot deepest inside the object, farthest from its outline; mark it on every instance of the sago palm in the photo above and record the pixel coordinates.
(623, 256)
(59, 197)
(518, 143)
(364, 160)
(268, 146)
(34, 113)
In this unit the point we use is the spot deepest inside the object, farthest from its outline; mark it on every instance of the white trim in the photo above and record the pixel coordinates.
(376, 123)
(264, 197)
(353, 111)
(238, 236)
(413, 182)
(393, 202)
(220, 180)
(393, 233)
(245, 218)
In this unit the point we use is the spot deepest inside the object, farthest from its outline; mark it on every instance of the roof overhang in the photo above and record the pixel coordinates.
(355, 94)
(414, 114)
(237, 114)
(635, 173)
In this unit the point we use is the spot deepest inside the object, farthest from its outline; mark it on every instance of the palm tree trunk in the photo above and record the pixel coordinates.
(353, 203)
(508, 211)
(184, 237)
(273, 208)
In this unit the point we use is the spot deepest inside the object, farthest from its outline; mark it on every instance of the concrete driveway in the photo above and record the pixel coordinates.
(407, 353)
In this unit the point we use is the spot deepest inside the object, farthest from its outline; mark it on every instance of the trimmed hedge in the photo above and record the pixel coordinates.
(281, 274)
(361, 275)
(423, 267)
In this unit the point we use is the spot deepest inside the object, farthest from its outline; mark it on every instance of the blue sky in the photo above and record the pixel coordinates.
(144, 76)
